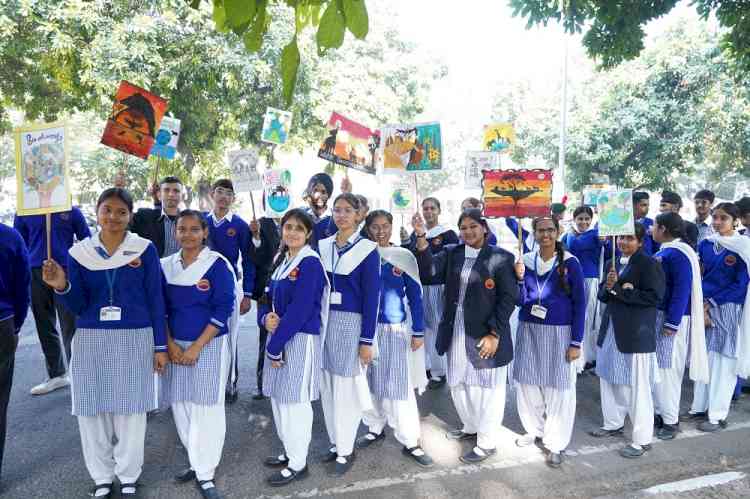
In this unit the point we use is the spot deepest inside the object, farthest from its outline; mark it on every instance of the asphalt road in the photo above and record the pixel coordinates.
(43, 453)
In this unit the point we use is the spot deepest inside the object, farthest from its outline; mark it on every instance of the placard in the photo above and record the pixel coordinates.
(167, 138)
(615, 210)
(476, 161)
(350, 144)
(517, 193)
(403, 197)
(278, 199)
(411, 148)
(276, 126)
(498, 137)
(246, 176)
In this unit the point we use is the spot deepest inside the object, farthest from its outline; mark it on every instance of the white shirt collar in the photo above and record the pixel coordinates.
(217, 221)
(470, 252)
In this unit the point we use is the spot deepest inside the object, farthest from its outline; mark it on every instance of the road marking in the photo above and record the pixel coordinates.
(694, 483)
(533, 457)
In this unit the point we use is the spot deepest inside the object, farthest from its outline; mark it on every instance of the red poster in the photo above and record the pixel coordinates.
(350, 144)
(516, 193)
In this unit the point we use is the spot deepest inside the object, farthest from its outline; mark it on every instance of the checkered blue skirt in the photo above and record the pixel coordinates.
(388, 375)
(665, 344)
(200, 384)
(298, 379)
(612, 365)
(540, 356)
(112, 371)
(722, 336)
(433, 303)
(341, 348)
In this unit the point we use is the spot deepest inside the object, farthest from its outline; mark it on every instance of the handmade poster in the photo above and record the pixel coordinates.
(135, 119)
(476, 161)
(403, 197)
(741, 189)
(246, 176)
(615, 210)
(278, 199)
(165, 144)
(517, 193)
(412, 148)
(498, 137)
(591, 193)
(42, 169)
(276, 125)
(350, 144)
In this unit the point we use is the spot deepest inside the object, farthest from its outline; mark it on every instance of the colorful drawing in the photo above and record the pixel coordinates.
(517, 193)
(276, 125)
(278, 199)
(246, 176)
(135, 119)
(498, 137)
(591, 193)
(403, 197)
(165, 144)
(476, 161)
(615, 209)
(42, 169)
(350, 144)
(411, 148)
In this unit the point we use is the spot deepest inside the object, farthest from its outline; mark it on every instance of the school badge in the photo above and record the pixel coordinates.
(730, 260)
(489, 284)
(203, 285)
(294, 274)
(397, 271)
(134, 263)
(231, 232)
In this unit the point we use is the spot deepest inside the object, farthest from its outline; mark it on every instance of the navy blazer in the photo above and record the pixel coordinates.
(631, 304)
(149, 224)
(491, 296)
(263, 256)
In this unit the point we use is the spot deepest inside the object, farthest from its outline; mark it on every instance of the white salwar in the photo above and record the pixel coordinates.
(668, 391)
(716, 396)
(481, 410)
(105, 461)
(547, 413)
(344, 400)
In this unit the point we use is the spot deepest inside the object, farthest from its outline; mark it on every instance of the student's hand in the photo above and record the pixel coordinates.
(245, 305)
(161, 359)
(190, 356)
(346, 185)
(416, 343)
(488, 346)
(668, 332)
(520, 269)
(53, 275)
(174, 351)
(272, 322)
(611, 279)
(154, 192)
(418, 223)
(255, 228)
(573, 353)
(404, 235)
(365, 354)
(276, 364)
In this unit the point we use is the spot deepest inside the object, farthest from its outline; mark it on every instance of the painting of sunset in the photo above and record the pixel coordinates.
(516, 193)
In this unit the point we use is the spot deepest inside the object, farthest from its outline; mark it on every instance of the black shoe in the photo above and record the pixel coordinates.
(631, 452)
(330, 456)
(710, 427)
(690, 416)
(185, 476)
(477, 455)
(668, 431)
(276, 461)
(231, 396)
(129, 490)
(603, 432)
(436, 383)
(286, 476)
(369, 439)
(342, 465)
(589, 366)
(554, 459)
(259, 396)
(459, 435)
(103, 486)
(210, 492)
(526, 440)
(418, 455)
(658, 421)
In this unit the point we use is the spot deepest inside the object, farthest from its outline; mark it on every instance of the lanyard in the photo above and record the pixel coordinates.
(111, 277)
(540, 289)
(336, 254)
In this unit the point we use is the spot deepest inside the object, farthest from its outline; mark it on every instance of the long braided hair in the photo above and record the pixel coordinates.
(302, 217)
(559, 252)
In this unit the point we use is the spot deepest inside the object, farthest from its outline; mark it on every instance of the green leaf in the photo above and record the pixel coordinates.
(357, 20)
(195, 4)
(332, 28)
(220, 17)
(254, 38)
(239, 12)
(289, 65)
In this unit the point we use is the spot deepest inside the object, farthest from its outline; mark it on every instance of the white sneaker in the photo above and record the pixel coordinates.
(51, 385)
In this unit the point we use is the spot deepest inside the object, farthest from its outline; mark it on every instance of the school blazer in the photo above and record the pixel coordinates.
(491, 296)
(633, 310)
(149, 224)
(262, 257)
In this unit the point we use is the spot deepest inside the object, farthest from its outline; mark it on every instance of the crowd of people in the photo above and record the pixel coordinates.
(364, 325)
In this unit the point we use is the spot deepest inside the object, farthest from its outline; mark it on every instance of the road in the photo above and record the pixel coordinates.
(43, 453)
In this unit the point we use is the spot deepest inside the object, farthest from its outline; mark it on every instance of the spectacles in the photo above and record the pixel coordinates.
(224, 192)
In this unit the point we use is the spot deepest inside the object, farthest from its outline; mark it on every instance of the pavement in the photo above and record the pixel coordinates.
(43, 452)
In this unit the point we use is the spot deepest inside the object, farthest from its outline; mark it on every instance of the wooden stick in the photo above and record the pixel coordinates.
(520, 237)
(252, 204)
(48, 223)
(416, 190)
(614, 252)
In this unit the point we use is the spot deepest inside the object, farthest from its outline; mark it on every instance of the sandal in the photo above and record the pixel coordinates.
(102, 487)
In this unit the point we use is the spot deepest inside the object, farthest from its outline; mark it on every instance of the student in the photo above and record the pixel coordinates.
(471, 203)
(641, 206)
(474, 331)
(294, 314)
(584, 243)
(744, 207)
(391, 378)
(679, 323)
(437, 238)
(627, 346)
(229, 235)
(671, 202)
(113, 284)
(158, 224)
(724, 257)
(202, 310)
(319, 190)
(353, 268)
(704, 200)
(548, 342)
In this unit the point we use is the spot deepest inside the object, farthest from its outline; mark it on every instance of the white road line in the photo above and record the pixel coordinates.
(694, 483)
(533, 457)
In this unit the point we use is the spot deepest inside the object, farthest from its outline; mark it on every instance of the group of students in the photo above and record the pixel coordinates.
(349, 318)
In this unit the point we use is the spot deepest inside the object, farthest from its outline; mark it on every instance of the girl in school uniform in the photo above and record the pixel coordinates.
(583, 243)
(548, 342)
(391, 377)
(679, 323)
(472, 203)
(353, 268)
(202, 310)
(480, 294)
(724, 258)
(114, 287)
(294, 313)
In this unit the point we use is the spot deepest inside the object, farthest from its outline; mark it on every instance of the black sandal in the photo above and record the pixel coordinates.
(103, 486)
(132, 489)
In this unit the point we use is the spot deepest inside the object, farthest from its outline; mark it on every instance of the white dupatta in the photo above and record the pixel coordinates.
(740, 245)
(698, 352)
(86, 254)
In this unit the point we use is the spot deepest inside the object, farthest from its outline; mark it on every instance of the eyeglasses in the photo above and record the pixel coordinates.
(224, 192)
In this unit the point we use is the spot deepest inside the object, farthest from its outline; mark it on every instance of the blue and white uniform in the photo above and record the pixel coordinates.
(529, 243)
(545, 379)
(298, 293)
(650, 247)
(354, 273)
(397, 371)
(119, 304)
(199, 295)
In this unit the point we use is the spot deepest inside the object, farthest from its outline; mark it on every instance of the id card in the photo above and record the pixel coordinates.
(110, 314)
(335, 298)
(539, 312)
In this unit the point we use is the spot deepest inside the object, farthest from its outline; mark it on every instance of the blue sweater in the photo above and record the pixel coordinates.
(562, 309)
(679, 282)
(437, 243)
(65, 225)
(191, 308)
(232, 239)
(650, 247)
(725, 278)
(394, 286)
(14, 277)
(297, 301)
(137, 291)
(512, 224)
(587, 247)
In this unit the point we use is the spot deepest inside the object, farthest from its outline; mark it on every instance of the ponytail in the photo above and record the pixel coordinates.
(560, 251)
